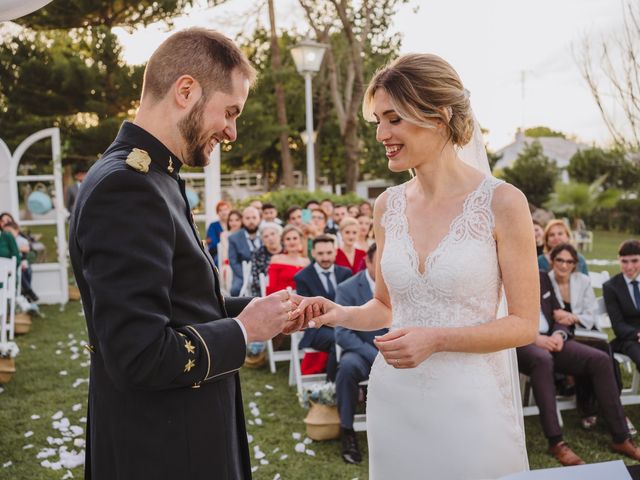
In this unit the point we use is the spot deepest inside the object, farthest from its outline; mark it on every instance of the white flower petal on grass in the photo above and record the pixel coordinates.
(300, 447)
(76, 431)
(79, 442)
(296, 436)
(257, 453)
(58, 415)
(76, 407)
(307, 441)
(28, 434)
(277, 476)
(249, 438)
(264, 462)
(269, 387)
(311, 453)
(258, 394)
(63, 373)
(85, 364)
(67, 475)
(253, 469)
(251, 422)
(46, 452)
(35, 417)
(71, 459)
(58, 352)
(32, 347)
(80, 381)
(258, 421)
(27, 447)
(83, 420)
(253, 404)
(284, 456)
(276, 450)
(75, 356)
(1, 389)
(7, 464)
(55, 441)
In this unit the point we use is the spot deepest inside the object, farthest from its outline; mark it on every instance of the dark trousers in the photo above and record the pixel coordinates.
(352, 370)
(324, 340)
(629, 348)
(574, 359)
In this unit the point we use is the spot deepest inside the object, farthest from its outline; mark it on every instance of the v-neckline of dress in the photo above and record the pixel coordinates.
(443, 241)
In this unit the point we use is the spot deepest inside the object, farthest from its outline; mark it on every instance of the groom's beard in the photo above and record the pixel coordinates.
(190, 128)
(250, 230)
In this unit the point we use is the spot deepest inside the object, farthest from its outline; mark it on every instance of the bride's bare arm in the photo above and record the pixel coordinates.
(517, 259)
(376, 313)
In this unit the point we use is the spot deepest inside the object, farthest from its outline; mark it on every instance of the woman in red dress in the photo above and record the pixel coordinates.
(284, 266)
(348, 255)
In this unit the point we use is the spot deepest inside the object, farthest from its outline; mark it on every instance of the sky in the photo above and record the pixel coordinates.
(493, 44)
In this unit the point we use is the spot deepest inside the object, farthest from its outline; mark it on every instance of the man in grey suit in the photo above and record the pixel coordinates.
(358, 354)
(79, 172)
(242, 244)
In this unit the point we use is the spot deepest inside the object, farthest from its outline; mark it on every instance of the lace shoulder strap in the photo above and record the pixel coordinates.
(478, 205)
(393, 220)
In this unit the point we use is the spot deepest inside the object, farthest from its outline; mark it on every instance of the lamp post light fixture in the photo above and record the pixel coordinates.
(307, 56)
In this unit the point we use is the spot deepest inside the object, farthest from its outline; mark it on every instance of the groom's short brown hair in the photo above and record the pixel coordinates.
(206, 55)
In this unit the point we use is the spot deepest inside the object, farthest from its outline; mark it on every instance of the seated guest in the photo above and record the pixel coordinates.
(234, 224)
(358, 354)
(9, 247)
(241, 245)
(321, 279)
(294, 216)
(270, 234)
(579, 307)
(327, 206)
(284, 266)
(556, 233)
(556, 350)
(215, 229)
(365, 232)
(316, 227)
(622, 298)
(538, 233)
(25, 250)
(366, 209)
(353, 211)
(270, 213)
(348, 255)
(311, 204)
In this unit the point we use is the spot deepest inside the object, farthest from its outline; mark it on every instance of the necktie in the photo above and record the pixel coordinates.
(636, 293)
(331, 292)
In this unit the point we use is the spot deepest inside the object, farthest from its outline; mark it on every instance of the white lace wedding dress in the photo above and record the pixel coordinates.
(455, 416)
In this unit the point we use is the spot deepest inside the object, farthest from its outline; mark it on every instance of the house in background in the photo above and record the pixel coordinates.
(556, 148)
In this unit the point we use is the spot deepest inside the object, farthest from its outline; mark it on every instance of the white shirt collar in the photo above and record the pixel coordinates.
(629, 280)
(372, 283)
(320, 270)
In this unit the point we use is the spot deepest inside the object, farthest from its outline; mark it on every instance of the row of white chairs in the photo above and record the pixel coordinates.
(9, 278)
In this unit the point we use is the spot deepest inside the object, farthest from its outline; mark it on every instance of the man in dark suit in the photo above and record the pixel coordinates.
(164, 394)
(320, 279)
(555, 350)
(622, 298)
(358, 354)
(79, 172)
(242, 244)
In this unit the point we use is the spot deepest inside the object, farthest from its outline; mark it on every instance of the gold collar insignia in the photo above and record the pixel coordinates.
(139, 160)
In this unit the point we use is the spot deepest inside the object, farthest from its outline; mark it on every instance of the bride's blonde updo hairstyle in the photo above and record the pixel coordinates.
(423, 88)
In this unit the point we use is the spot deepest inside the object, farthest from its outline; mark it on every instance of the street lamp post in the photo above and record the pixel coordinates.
(307, 56)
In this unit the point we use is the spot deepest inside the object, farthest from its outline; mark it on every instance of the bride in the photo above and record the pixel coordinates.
(443, 398)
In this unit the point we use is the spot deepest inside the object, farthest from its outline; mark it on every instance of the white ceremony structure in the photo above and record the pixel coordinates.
(50, 280)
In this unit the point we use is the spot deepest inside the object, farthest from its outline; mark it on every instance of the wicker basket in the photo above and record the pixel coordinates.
(7, 369)
(23, 323)
(74, 293)
(323, 422)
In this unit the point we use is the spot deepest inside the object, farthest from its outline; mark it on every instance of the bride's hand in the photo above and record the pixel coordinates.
(324, 312)
(407, 347)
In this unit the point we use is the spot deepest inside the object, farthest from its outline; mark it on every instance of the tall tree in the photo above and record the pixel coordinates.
(281, 108)
(616, 64)
(356, 35)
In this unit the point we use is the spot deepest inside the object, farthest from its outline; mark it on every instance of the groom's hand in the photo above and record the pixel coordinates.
(265, 317)
(302, 315)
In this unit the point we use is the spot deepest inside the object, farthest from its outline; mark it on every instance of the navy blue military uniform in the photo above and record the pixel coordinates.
(164, 395)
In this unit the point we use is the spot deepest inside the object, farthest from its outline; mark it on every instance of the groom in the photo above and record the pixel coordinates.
(164, 395)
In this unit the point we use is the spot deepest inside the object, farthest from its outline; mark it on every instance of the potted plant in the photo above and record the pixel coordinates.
(8, 352)
(323, 421)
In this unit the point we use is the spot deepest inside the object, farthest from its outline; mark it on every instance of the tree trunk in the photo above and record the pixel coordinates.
(281, 111)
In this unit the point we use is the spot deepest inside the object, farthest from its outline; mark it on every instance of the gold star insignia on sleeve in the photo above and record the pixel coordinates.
(190, 364)
(189, 346)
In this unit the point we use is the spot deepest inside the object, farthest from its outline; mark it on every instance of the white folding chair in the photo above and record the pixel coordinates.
(4, 302)
(295, 374)
(598, 278)
(245, 291)
(12, 293)
(279, 355)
